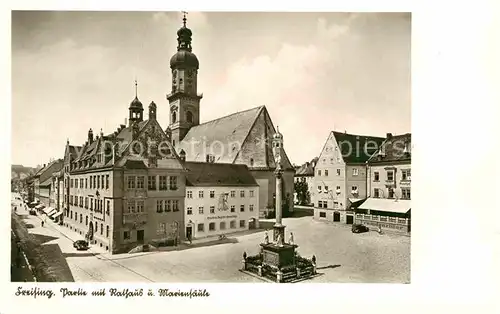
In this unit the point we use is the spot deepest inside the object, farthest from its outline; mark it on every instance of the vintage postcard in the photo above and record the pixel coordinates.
(210, 147)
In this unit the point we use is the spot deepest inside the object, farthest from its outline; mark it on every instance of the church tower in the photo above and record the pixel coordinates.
(183, 99)
(135, 109)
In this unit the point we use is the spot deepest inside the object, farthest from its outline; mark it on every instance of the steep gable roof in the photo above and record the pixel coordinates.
(218, 174)
(243, 138)
(230, 131)
(307, 169)
(357, 148)
(393, 149)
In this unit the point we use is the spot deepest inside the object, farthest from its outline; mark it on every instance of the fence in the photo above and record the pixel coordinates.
(401, 225)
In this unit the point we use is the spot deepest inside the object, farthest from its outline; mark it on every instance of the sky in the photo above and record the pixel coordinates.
(314, 72)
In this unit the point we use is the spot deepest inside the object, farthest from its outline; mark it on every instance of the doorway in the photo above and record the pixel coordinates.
(251, 224)
(189, 232)
(140, 236)
(336, 216)
(349, 219)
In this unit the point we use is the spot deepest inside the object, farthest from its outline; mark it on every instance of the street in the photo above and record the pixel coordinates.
(341, 256)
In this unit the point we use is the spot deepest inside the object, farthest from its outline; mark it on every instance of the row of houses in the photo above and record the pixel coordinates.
(362, 179)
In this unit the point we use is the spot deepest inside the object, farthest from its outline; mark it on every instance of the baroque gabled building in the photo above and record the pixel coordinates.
(114, 182)
(240, 138)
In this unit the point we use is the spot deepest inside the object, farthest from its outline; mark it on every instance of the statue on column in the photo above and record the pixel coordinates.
(266, 238)
(291, 238)
(279, 240)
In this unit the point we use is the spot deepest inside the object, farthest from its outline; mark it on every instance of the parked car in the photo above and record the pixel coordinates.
(81, 245)
(358, 228)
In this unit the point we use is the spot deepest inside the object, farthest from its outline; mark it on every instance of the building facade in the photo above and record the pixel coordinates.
(114, 183)
(220, 199)
(240, 138)
(389, 186)
(341, 174)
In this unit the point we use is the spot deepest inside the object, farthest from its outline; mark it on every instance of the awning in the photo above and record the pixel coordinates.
(51, 211)
(387, 205)
(354, 200)
(57, 214)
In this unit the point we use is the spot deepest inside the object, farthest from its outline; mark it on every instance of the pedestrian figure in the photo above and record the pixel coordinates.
(189, 239)
(291, 238)
(42, 223)
(266, 238)
(379, 229)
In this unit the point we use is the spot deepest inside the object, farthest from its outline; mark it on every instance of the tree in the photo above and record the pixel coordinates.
(302, 191)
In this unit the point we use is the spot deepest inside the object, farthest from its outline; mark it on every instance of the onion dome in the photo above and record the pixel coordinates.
(278, 135)
(184, 58)
(136, 103)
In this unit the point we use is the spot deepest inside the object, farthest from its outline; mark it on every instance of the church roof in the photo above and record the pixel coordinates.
(218, 174)
(243, 137)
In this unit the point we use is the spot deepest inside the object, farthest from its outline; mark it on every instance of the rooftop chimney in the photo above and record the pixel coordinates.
(90, 136)
(389, 136)
(182, 155)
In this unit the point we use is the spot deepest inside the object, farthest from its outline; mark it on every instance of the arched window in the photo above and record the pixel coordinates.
(189, 117)
(174, 117)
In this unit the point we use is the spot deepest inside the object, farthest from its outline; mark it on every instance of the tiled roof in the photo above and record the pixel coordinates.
(226, 130)
(243, 138)
(135, 164)
(218, 174)
(394, 148)
(307, 169)
(46, 182)
(357, 148)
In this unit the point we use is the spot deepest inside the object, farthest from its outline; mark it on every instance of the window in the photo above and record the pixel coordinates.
(355, 171)
(233, 208)
(222, 225)
(86, 180)
(175, 205)
(107, 181)
(189, 194)
(319, 188)
(326, 188)
(242, 223)
(251, 208)
(200, 194)
(406, 174)
(320, 204)
(338, 172)
(190, 210)
(140, 206)
(338, 189)
(211, 226)
(242, 208)
(126, 235)
(251, 162)
(102, 181)
(131, 182)
(232, 224)
(162, 228)
(94, 182)
(390, 175)
(376, 176)
(391, 193)
(189, 117)
(405, 194)
(354, 189)
(71, 183)
(200, 210)
(86, 202)
(71, 214)
(81, 218)
(322, 214)
(201, 227)
(108, 206)
(107, 231)
(242, 193)
(163, 183)
(140, 182)
(96, 228)
(131, 207)
(212, 209)
(102, 229)
(331, 160)
(335, 205)
(159, 206)
(233, 193)
(86, 220)
(212, 194)
(81, 201)
(319, 172)
(173, 183)
(168, 205)
(152, 183)
(376, 193)
(81, 183)
(91, 204)
(251, 193)
(98, 182)
(326, 173)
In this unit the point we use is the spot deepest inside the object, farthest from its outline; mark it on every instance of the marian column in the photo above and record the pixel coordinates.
(279, 228)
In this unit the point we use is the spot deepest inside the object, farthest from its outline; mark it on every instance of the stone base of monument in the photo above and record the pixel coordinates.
(279, 263)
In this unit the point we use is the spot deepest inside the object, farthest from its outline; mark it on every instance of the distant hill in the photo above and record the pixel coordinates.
(21, 172)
